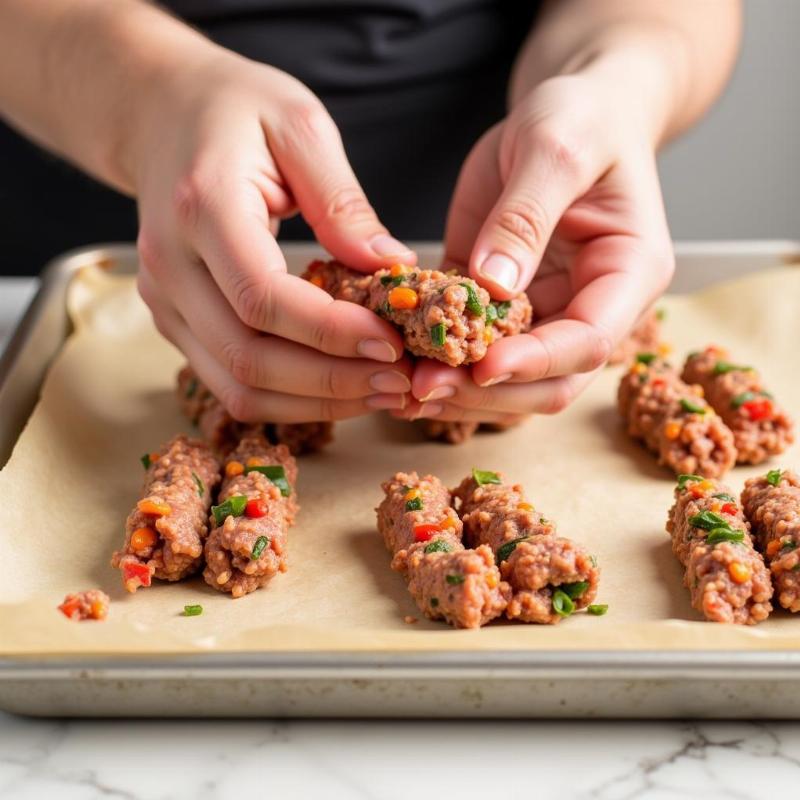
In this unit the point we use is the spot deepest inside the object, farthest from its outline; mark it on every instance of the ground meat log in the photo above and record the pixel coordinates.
(772, 505)
(164, 533)
(727, 580)
(230, 562)
(223, 432)
(675, 421)
(89, 604)
(761, 428)
(644, 338)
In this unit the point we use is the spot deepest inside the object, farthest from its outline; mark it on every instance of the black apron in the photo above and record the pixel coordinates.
(411, 85)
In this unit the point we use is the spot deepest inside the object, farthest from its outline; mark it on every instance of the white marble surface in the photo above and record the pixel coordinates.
(388, 760)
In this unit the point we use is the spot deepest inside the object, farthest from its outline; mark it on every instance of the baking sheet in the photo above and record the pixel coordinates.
(75, 474)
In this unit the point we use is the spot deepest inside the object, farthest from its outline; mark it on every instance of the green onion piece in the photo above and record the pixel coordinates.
(774, 477)
(708, 520)
(201, 487)
(455, 580)
(646, 358)
(684, 479)
(724, 535)
(725, 496)
(484, 476)
(597, 609)
(788, 545)
(473, 303)
(276, 474)
(574, 590)
(414, 505)
(438, 546)
(191, 388)
(740, 399)
(562, 603)
(503, 308)
(192, 611)
(395, 280)
(232, 507)
(692, 407)
(258, 547)
(491, 314)
(146, 462)
(434, 602)
(723, 367)
(507, 548)
(438, 334)
(661, 314)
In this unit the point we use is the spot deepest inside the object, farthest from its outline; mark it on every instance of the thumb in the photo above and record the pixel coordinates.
(309, 152)
(544, 179)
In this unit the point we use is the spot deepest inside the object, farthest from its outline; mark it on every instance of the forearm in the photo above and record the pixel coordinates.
(670, 57)
(76, 75)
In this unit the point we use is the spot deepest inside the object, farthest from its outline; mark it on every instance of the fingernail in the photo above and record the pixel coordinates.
(384, 401)
(502, 270)
(390, 381)
(377, 350)
(428, 410)
(494, 381)
(388, 247)
(439, 393)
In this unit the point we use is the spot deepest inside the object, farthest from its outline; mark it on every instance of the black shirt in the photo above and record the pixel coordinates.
(412, 84)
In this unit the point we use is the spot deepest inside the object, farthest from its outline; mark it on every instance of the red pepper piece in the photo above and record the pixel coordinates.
(69, 607)
(133, 572)
(758, 410)
(423, 533)
(256, 508)
(659, 383)
(729, 508)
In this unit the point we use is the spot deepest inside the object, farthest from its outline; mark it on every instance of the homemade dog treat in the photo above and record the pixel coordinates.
(761, 428)
(674, 420)
(459, 432)
(772, 506)
(164, 533)
(89, 604)
(725, 575)
(423, 531)
(247, 544)
(550, 576)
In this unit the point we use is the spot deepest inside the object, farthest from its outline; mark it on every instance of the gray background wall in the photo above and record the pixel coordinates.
(737, 174)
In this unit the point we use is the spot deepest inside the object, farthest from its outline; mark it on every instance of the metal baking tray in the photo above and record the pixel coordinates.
(565, 684)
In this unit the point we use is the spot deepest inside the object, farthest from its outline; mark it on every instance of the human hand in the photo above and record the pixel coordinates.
(562, 199)
(225, 149)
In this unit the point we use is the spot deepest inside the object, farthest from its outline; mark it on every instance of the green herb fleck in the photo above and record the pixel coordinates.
(232, 507)
(774, 477)
(692, 407)
(473, 303)
(394, 280)
(507, 548)
(438, 334)
(646, 358)
(201, 487)
(455, 580)
(484, 476)
(562, 603)
(788, 545)
(491, 314)
(415, 504)
(597, 609)
(259, 546)
(684, 479)
(724, 534)
(191, 388)
(192, 611)
(503, 308)
(723, 367)
(707, 520)
(146, 462)
(725, 496)
(434, 602)
(574, 590)
(438, 546)
(276, 474)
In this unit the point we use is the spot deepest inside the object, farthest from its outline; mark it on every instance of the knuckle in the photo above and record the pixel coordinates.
(325, 334)
(348, 204)
(239, 361)
(238, 402)
(253, 302)
(309, 122)
(524, 222)
(151, 251)
(562, 148)
(193, 194)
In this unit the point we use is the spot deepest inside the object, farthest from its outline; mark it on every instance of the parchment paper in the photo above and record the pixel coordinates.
(75, 474)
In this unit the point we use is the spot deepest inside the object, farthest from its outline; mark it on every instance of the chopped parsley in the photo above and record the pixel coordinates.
(774, 477)
(484, 476)
(438, 546)
(415, 504)
(645, 358)
(455, 580)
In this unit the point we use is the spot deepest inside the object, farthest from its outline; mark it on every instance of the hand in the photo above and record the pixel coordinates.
(226, 148)
(562, 199)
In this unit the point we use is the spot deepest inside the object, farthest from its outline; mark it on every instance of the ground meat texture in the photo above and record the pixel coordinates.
(90, 604)
(674, 421)
(164, 533)
(727, 580)
(513, 316)
(461, 587)
(223, 432)
(339, 281)
(644, 338)
(448, 432)
(541, 565)
(772, 505)
(233, 563)
(761, 428)
(402, 524)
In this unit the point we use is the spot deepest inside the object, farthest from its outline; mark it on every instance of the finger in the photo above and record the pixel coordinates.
(309, 150)
(269, 362)
(543, 176)
(229, 231)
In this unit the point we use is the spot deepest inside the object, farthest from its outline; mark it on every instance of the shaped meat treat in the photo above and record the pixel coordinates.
(772, 506)
(164, 533)
(442, 316)
(247, 544)
(644, 338)
(550, 576)
(459, 432)
(224, 432)
(725, 575)
(674, 420)
(423, 531)
(90, 604)
(761, 428)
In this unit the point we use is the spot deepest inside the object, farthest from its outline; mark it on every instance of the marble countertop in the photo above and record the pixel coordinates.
(387, 760)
